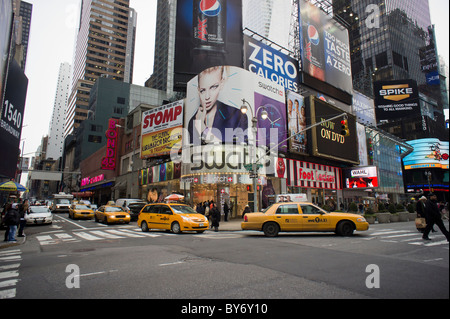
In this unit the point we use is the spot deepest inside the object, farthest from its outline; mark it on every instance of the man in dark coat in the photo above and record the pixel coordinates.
(433, 217)
(12, 219)
(215, 217)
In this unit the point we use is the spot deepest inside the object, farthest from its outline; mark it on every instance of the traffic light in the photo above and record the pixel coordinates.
(345, 131)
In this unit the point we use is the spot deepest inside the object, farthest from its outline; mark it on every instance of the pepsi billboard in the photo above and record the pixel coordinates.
(325, 52)
(271, 64)
(208, 33)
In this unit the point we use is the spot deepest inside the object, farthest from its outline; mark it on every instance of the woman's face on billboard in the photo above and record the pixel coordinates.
(209, 86)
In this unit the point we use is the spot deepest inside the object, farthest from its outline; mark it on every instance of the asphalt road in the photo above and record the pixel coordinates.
(87, 260)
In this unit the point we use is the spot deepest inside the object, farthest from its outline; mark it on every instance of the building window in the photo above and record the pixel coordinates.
(94, 139)
(121, 100)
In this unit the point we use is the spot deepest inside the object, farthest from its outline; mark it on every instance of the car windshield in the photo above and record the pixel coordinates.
(39, 209)
(81, 207)
(183, 209)
(63, 201)
(113, 209)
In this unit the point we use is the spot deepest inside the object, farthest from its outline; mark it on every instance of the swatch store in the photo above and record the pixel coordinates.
(219, 173)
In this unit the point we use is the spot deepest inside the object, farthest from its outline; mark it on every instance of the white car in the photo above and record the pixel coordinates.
(39, 215)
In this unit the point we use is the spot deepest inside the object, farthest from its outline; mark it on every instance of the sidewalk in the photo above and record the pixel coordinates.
(231, 225)
(5, 244)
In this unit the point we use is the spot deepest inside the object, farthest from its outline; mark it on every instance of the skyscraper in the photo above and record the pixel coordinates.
(385, 38)
(55, 142)
(104, 48)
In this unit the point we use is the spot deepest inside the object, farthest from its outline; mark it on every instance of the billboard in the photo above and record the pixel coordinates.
(162, 129)
(324, 47)
(428, 153)
(311, 175)
(396, 99)
(213, 108)
(326, 138)
(269, 63)
(297, 123)
(6, 14)
(361, 177)
(11, 119)
(208, 33)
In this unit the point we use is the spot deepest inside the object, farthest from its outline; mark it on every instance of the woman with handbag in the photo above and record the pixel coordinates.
(421, 214)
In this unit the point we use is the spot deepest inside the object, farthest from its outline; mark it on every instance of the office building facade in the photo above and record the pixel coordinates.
(104, 48)
(56, 129)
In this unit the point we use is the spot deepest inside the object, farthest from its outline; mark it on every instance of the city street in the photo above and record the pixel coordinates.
(84, 259)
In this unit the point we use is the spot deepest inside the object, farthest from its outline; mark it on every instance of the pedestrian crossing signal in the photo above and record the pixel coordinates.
(345, 131)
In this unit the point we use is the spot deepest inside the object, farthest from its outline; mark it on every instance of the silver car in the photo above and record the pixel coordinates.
(38, 215)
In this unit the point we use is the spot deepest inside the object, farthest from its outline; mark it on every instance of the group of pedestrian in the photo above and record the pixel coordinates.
(15, 219)
(429, 209)
(210, 210)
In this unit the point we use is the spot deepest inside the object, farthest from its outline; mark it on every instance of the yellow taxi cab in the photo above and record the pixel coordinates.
(112, 214)
(302, 217)
(174, 217)
(81, 211)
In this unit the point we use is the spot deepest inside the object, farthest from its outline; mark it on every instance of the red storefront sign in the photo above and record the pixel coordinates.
(109, 161)
(311, 175)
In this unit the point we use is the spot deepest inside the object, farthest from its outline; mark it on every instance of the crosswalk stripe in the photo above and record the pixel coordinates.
(8, 283)
(87, 236)
(116, 232)
(7, 294)
(9, 252)
(12, 266)
(389, 232)
(106, 235)
(127, 231)
(9, 274)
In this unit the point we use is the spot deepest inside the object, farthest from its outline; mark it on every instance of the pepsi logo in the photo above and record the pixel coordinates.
(313, 35)
(210, 8)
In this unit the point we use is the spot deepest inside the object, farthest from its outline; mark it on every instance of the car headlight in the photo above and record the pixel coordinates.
(186, 218)
(361, 220)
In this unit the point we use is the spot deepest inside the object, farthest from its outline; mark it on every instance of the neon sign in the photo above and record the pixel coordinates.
(109, 161)
(93, 180)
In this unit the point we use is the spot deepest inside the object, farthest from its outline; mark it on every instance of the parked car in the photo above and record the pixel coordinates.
(110, 214)
(174, 217)
(39, 215)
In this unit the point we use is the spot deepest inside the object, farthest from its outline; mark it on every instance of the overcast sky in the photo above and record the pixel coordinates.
(52, 41)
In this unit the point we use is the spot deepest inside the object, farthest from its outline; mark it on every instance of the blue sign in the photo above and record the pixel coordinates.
(433, 78)
(271, 64)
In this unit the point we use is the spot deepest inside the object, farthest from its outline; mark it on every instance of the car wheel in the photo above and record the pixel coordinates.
(105, 220)
(271, 229)
(144, 226)
(95, 218)
(345, 229)
(176, 228)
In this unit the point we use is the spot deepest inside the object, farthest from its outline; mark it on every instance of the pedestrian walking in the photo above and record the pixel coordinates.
(23, 210)
(215, 217)
(226, 210)
(246, 211)
(12, 219)
(434, 217)
(420, 207)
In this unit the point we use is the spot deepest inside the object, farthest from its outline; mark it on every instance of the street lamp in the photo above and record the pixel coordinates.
(254, 172)
(428, 175)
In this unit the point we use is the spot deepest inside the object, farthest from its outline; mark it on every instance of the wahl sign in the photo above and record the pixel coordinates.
(396, 99)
